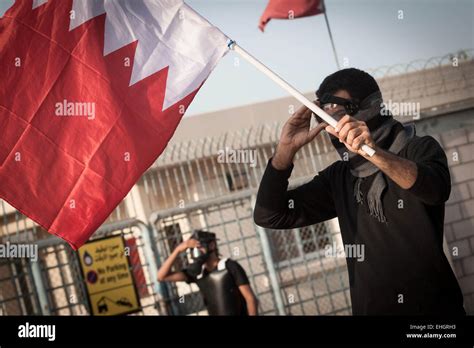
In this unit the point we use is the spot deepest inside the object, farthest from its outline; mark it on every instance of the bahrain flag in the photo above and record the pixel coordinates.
(91, 92)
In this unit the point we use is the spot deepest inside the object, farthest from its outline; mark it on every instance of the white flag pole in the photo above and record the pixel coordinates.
(290, 89)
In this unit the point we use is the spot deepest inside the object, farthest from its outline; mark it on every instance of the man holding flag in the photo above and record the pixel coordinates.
(392, 203)
(133, 67)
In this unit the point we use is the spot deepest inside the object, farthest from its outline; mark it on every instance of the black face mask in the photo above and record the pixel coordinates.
(199, 258)
(197, 253)
(195, 268)
(205, 240)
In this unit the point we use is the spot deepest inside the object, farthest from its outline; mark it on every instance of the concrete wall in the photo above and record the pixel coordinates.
(459, 217)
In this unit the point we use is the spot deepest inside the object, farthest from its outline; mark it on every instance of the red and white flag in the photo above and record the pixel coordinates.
(91, 92)
(289, 9)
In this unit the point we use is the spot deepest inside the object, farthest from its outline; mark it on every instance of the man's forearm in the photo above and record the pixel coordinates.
(402, 171)
(252, 306)
(354, 133)
(166, 267)
(250, 299)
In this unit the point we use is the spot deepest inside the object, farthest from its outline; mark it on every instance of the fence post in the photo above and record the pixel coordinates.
(158, 287)
(40, 288)
(268, 258)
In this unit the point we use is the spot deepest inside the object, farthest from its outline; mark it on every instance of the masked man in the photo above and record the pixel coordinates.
(223, 283)
(391, 203)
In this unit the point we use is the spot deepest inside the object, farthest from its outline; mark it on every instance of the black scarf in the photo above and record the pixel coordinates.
(389, 135)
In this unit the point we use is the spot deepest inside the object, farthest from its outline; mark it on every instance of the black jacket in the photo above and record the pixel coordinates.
(405, 270)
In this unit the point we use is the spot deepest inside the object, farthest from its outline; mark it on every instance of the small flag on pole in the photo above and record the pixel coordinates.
(289, 9)
(91, 93)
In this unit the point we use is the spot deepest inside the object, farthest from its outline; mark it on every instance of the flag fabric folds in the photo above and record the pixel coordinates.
(91, 93)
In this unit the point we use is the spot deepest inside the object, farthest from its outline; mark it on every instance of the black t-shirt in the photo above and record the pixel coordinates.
(220, 287)
(403, 256)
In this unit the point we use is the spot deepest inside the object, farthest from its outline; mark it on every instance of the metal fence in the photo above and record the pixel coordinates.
(189, 187)
(287, 269)
(54, 285)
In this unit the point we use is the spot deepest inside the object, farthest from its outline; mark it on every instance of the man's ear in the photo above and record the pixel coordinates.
(212, 246)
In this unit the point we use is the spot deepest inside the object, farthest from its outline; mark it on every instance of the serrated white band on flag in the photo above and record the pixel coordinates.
(169, 33)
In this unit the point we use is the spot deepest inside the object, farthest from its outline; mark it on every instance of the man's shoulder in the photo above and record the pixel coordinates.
(425, 139)
(232, 265)
(422, 144)
(237, 272)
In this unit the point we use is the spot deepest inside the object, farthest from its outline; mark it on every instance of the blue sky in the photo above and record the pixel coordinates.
(366, 32)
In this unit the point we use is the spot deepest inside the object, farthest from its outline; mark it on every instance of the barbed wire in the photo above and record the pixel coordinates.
(422, 64)
(399, 81)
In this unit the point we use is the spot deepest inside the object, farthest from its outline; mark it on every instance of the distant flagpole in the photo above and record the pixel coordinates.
(330, 36)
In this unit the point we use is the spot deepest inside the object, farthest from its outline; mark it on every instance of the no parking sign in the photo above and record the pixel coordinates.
(106, 270)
